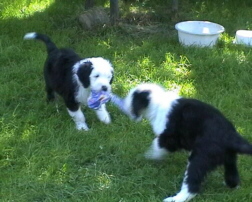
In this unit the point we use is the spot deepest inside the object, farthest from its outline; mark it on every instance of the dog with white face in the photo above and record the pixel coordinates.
(189, 124)
(73, 78)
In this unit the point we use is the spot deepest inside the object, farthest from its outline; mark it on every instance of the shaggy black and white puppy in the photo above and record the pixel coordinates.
(181, 123)
(73, 78)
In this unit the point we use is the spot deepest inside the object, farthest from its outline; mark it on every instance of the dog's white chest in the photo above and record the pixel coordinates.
(159, 125)
(82, 95)
(161, 118)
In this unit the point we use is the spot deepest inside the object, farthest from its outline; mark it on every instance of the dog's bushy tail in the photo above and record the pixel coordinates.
(50, 46)
(240, 145)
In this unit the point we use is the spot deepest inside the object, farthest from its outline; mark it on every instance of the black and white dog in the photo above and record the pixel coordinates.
(181, 123)
(73, 78)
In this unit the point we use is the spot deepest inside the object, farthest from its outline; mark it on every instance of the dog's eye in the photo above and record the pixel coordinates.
(96, 76)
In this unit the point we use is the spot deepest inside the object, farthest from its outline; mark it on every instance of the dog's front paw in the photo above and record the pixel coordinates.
(153, 155)
(155, 152)
(106, 119)
(103, 116)
(82, 126)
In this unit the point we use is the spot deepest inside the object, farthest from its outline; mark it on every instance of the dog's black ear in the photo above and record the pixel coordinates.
(140, 102)
(84, 72)
(112, 78)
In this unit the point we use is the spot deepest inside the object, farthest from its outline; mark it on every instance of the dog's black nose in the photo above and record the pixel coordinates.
(104, 88)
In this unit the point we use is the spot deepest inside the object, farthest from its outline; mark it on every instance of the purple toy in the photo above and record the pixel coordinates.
(96, 99)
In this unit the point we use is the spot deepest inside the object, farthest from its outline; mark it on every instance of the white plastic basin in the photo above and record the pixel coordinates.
(198, 33)
(244, 37)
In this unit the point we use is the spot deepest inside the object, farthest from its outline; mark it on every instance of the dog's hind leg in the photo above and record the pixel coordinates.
(49, 90)
(185, 194)
(50, 94)
(232, 178)
(197, 169)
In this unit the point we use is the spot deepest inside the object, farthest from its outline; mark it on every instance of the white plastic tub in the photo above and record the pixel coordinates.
(198, 33)
(244, 37)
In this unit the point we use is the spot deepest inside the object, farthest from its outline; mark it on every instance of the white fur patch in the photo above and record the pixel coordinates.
(160, 107)
(31, 35)
(156, 152)
(82, 95)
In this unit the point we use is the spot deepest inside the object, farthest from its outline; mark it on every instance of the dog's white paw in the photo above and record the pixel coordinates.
(182, 196)
(82, 126)
(106, 119)
(103, 115)
(155, 152)
(79, 119)
(174, 199)
(153, 155)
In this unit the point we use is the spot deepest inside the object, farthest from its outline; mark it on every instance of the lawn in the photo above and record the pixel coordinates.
(44, 158)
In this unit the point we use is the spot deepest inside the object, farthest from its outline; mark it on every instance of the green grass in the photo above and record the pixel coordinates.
(44, 158)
